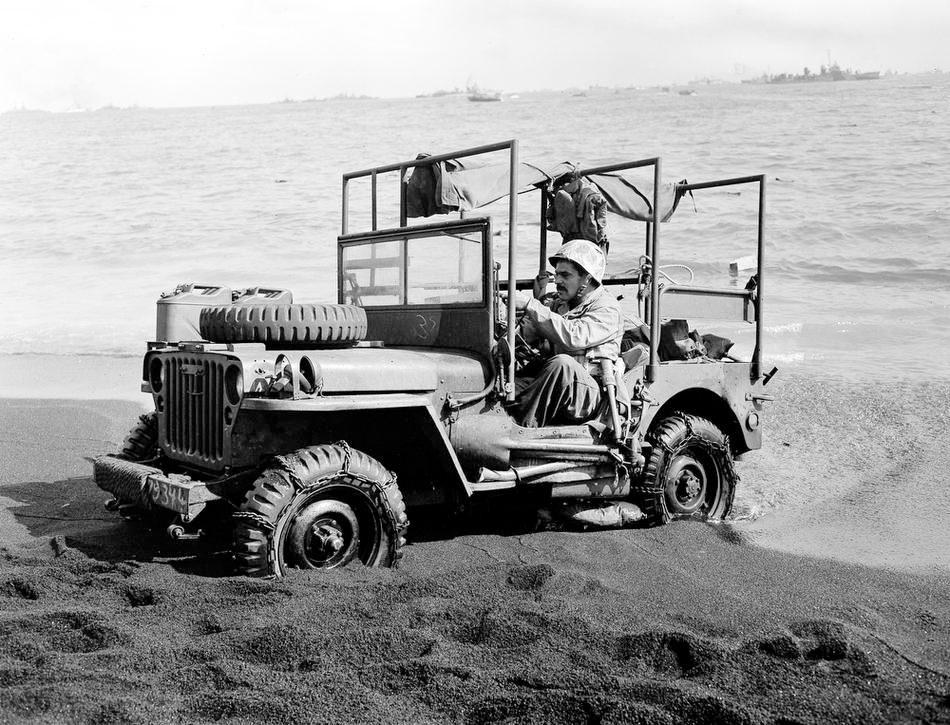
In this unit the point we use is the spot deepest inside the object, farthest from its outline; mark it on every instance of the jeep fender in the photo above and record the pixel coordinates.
(402, 431)
(715, 391)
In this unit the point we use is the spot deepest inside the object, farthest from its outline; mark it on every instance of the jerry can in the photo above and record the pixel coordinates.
(178, 312)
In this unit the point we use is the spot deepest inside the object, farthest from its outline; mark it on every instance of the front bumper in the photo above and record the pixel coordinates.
(150, 488)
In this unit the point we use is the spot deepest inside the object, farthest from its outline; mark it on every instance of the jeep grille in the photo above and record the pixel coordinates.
(195, 409)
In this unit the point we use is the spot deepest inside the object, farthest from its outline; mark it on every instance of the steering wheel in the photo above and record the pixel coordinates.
(525, 355)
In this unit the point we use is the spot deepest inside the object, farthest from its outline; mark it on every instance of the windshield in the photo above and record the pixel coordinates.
(440, 268)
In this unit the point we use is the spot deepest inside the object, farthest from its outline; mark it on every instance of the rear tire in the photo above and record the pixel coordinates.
(285, 324)
(690, 471)
(321, 507)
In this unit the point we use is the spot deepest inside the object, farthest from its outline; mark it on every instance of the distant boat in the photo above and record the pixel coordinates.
(687, 92)
(477, 94)
(484, 96)
(830, 73)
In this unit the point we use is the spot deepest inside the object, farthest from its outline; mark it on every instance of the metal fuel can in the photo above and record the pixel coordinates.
(178, 312)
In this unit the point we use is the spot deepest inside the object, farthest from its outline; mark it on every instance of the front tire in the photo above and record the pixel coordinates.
(321, 507)
(141, 444)
(690, 471)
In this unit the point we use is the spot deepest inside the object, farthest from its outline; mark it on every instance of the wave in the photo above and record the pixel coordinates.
(790, 327)
(114, 354)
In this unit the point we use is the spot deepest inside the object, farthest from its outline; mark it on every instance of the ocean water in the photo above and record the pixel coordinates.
(101, 211)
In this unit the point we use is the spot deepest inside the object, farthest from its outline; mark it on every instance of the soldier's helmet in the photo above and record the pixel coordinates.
(586, 255)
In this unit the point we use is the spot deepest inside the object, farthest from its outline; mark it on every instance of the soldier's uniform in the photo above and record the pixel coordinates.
(567, 388)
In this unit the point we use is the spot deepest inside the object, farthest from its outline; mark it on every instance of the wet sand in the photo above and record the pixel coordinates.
(689, 623)
(854, 471)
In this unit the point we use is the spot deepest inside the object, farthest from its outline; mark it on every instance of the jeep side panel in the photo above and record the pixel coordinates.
(401, 429)
(716, 391)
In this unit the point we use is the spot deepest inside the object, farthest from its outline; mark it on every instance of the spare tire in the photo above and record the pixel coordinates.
(285, 324)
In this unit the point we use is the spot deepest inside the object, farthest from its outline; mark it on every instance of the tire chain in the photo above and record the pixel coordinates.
(380, 490)
(251, 517)
(719, 451)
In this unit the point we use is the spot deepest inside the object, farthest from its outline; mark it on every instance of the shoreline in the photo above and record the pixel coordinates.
(845, 471)
(41, 376)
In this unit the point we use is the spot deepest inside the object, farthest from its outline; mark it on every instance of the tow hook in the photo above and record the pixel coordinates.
(128, 511)
(759, 397)
(177, 532)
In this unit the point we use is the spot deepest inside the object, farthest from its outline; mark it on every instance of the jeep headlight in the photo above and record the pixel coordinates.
(156, 373)
(233, 384)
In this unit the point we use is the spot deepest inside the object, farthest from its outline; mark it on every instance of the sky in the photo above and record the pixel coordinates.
(66, 54)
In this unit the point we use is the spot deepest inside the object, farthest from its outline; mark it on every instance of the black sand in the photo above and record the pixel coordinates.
(684, 624)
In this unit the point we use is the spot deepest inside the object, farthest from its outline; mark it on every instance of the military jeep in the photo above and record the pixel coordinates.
(311, 429)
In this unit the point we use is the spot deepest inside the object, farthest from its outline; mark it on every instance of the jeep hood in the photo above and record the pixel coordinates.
(383, 370)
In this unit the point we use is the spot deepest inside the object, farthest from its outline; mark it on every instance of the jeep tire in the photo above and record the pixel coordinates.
(689, 473)
(320, 508)
(141, 443)
(287, 324)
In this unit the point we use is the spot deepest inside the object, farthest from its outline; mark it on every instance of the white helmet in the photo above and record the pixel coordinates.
(586, 255)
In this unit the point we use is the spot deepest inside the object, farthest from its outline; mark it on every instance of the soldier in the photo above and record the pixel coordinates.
(581, 325)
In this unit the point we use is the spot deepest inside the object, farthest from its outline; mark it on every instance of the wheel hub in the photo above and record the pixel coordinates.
(326, 539)
(690, 484)
(323, 534)
(685, 486)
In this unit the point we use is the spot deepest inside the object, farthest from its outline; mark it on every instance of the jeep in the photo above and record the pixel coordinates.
(311, 429)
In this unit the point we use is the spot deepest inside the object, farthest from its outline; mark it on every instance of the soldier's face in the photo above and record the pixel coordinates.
(568, 281)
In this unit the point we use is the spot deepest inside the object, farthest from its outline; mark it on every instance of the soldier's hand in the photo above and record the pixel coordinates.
(519, 299)
(541, 284)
